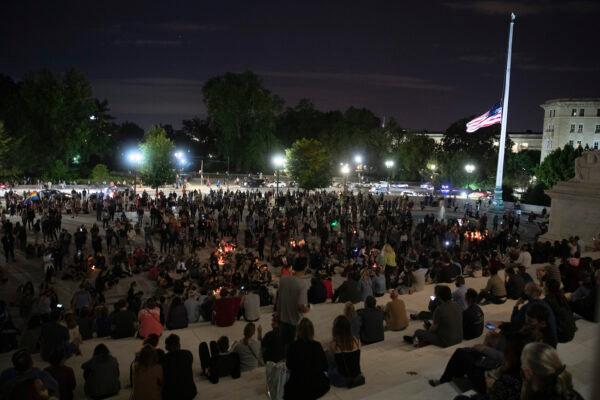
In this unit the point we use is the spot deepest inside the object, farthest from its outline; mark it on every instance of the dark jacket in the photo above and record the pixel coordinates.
(348, 291)
(101, 375)
(178, 376)
(307, 364)
(472, 322)
(177, 318)
(515, 286)
(371, 327)
(317, 293)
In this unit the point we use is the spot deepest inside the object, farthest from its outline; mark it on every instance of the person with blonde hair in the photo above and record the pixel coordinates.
(389, 261)
(355, 321)
(544, 375)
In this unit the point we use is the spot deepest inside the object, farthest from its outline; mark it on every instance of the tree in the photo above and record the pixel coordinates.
(243, 113)
(535, 195)
(100, 173)
(414, 153)
(58, 172)
(558, 166)
(157, 150)
(308, 163)
(520, 167)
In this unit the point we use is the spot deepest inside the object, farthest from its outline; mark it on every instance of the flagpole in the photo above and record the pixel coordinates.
(498, 202)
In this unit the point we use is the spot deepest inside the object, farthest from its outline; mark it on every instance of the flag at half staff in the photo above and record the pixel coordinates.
(493, 116)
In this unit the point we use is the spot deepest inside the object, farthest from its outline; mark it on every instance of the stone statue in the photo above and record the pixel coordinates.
(587, 167)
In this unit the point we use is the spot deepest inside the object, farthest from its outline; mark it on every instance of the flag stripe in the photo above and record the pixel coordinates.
(491, 117)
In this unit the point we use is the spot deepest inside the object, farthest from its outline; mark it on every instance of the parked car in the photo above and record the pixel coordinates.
(254, 182)
(274, 184)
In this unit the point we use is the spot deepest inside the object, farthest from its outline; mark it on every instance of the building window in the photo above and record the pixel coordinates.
(574, 112)
(571, 143)
(596, 145)
(572, 128)
(597, 129)
(579, 143)
(581, 112)
(598, 112)
(580, 128)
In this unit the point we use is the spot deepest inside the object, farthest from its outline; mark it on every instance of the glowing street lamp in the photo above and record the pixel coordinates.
(345, 170)
(358, 159)
(135, 158)
(470, 168)
(389, 164)
(278, 161)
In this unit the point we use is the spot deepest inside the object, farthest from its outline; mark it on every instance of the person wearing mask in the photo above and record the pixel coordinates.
(495, 291)
(248, 349)
(544, 375)
(317, 293)
(101, 374)
(271, 343)
(396, 318)
(344, 371)
(447, 327)
(178, 377)
(292, 301)
(307, 365)
(349, 290)
(565, 321)
(514, 284)
(177, 317)
(251, 306)
(472, 317)
(149, 320)
(371, 322)
(147, 375)
(123, 321)
(459, 293)
(23, 368)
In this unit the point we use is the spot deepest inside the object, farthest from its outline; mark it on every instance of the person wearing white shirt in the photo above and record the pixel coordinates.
(459, 293)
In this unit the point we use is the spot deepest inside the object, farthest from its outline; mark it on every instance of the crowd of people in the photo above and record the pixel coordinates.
(219, 257)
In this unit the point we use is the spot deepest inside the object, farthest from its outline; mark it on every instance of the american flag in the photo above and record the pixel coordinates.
(493, 116)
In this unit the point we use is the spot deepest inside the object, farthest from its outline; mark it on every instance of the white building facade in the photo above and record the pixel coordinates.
(570, 121)
(521, 140)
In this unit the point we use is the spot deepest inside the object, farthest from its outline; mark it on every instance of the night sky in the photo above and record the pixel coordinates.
(426, 63)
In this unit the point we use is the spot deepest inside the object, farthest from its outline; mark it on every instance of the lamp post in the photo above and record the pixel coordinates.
(345, 170)
(470, 168)
(278, 162)
(135, 158)
(358, 160)
(389, 164)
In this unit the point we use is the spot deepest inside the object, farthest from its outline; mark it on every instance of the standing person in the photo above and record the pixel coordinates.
(178, 376)
(8, 243)
(101, 374)
(147, 375)
(292, 301)
(395, 313)
(389, 260)
(544, 375)
(307, 365)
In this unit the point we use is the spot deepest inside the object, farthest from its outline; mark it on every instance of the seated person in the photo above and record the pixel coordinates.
(514, 284)
(378, 281)
(24, 368)
(459, 293)
(248, 349)
(217, 361)
(372, 317)
(101, 374)
(518, 317)
(272, 347)
(446, 329)
(347, 291)
(177, 317)
(395, 313)
(225, 309)
(344, 370)
(317, 293)
(434, 302)
(123, 321)
(495, 291)
(472, 317)
(250, 305)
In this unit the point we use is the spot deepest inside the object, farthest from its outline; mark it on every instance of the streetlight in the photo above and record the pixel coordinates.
(135, 158)
(389, 164)
(278, 161)
(358, 159)
(470, 168)
(345, 170)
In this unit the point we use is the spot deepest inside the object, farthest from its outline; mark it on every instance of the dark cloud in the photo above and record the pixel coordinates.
(148, 43)
(497, 7)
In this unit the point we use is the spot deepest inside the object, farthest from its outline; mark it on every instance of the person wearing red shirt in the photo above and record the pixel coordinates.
(226, 309)
(149, 318)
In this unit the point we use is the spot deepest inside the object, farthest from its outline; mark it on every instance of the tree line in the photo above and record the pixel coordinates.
(52, 126)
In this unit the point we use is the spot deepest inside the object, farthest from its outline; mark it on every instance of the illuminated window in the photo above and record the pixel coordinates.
(574, 112)
(524, 145)
(579, 143)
